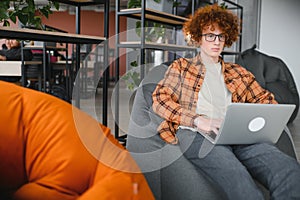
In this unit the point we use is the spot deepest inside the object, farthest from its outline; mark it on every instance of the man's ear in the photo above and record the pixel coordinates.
(198, 44)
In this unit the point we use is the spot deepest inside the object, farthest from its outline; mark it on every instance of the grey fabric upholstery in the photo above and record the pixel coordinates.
(272, 74)
(170, 175)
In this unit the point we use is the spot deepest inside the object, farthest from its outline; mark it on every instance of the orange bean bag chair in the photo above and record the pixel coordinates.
(52, 150)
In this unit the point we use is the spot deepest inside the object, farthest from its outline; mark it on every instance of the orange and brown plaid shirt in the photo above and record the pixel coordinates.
(176, 95)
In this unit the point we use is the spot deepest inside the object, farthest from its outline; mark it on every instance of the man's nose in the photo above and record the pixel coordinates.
(217, 40)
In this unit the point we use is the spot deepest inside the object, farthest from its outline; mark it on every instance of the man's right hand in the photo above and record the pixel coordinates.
(205, 125)
(3, 58)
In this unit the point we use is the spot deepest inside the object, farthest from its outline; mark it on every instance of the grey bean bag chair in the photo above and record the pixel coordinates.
(169, 174)
(272, 74)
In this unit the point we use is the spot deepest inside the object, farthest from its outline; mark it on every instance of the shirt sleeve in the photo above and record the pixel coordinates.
(257, 94)
(166, 98)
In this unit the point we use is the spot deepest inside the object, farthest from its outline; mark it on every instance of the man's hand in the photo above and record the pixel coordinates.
(205, 125)
(3, 58)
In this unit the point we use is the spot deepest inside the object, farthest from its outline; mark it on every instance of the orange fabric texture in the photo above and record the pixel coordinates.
(52, 150)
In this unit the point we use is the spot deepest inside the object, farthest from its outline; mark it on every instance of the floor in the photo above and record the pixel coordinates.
(93, 106)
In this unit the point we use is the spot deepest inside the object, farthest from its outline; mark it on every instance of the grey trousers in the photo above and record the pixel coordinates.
(233, 168)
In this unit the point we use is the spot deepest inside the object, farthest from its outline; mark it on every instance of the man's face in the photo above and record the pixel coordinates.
(10, 43)
(212, 43)
(7, 43)
(14, 43)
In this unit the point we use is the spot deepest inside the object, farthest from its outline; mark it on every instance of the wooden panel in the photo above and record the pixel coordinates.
(39, 35)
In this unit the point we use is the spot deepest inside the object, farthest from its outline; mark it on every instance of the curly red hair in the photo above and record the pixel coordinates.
(211, 15)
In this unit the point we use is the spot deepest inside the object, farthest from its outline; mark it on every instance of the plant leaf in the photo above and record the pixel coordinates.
(6, 23)
(134, 63)
(23, 18)
(56, 5)
(134, 4)
(25, 11)
(223, 6)
(45, 12)
(13, 18)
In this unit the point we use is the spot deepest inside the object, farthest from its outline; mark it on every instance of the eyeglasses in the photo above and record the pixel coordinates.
(210, 37)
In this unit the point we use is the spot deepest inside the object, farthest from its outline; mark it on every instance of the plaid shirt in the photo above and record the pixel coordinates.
(175, 97)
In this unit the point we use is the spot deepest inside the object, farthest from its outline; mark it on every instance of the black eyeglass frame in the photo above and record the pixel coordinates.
(215, 36)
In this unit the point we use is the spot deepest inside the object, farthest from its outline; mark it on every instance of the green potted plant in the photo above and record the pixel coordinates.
(132, 77)
(26, 11)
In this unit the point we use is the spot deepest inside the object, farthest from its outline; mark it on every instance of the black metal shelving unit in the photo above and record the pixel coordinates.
(77, 39)
(78, 4)
(143, 14)
(234, 6)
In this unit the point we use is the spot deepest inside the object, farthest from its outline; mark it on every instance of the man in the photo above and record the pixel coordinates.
(193, 97)
(14, 51)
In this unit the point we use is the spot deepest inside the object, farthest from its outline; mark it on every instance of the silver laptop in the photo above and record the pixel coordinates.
(249, 123)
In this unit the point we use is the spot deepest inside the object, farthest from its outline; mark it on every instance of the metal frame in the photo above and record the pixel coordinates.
(78, 5)
(28, 34)
(142, 14)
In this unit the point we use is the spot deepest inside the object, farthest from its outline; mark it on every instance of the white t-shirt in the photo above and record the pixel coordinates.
(214, 97)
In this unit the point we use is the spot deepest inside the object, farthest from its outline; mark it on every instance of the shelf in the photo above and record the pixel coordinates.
(38, 47)
(48, 36)
(81, 2)
(154, 15)
(234, 6)
(144, 15)
(156, 46)
(147, 14)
